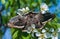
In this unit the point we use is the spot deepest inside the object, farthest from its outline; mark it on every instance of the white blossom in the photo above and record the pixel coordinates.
(54, 34)
(43, 30)
(23, 11)
(55, 37)
(39, 38)
(43, 8)
(47, 35)
(46, 28)
(32, 29)
(27, 8)
(43, 12)
(35, 30)
(42, 36)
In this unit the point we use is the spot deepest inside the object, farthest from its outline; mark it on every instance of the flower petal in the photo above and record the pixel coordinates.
(35, 30)
(44, 8)
(39, 38)
(27, 8)
(43, 30)
(37, 34)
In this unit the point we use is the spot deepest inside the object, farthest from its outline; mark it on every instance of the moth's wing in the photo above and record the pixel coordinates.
(13, 21)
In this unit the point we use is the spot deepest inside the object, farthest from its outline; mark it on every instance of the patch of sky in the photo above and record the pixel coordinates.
(52, 8)
(7, 34)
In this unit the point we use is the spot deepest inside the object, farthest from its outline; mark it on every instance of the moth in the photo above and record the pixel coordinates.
(25, 21)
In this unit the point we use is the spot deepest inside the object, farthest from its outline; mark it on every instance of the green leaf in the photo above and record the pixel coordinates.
(58, 25)
(6, 5)
(39, 1)
(34, 4)
(15, 35)
(28, 37)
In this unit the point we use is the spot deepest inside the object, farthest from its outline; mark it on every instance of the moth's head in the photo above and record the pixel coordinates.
(48, 16)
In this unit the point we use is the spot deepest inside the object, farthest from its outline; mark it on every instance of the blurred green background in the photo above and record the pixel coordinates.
(8, 10)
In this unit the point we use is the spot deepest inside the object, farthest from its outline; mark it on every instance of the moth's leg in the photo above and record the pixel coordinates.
(39, 25)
